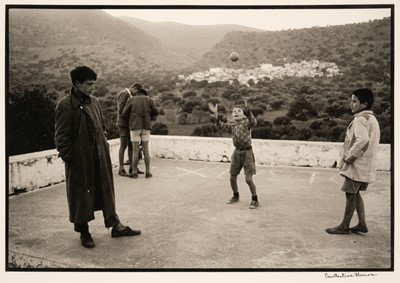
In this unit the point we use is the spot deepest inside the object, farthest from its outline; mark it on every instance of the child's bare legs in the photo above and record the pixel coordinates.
(234, 186)
(252, 186)
(146, 157)
(362, 225)
(343, 228)
(124, 143)
(135, 158)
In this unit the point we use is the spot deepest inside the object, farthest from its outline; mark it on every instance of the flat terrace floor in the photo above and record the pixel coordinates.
(186, 223)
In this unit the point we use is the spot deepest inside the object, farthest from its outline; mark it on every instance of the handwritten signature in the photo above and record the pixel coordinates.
(349, 275)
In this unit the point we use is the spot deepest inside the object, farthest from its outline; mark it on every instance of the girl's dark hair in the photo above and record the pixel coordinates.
(81, 74)
(365, 95)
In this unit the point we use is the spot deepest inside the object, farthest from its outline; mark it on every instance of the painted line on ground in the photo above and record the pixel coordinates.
(220, 174)
(191, 172)
(312, 178)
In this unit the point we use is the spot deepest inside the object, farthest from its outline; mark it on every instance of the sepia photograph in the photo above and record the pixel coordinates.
(251, 139)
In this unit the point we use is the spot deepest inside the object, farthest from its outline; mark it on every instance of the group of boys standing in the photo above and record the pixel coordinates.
(135, 113)
(82, 144)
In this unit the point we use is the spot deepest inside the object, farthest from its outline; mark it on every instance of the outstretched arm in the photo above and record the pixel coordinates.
(213, 109)
(250, 117)
(219, 123)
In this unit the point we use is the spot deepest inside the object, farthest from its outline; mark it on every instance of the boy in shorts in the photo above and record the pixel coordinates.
(141, 111)
(358, 160)
(123, 129)
(242, 156)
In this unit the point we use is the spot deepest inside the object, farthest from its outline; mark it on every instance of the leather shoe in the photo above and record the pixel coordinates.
(125, 232)
(359, 229)
(87, 240)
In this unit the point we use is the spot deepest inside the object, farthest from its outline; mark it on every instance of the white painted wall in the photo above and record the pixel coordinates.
(41, 169)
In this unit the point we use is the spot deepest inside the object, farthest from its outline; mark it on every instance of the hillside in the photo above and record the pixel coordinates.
(297, 82)
(349, 46)
(47, 42)
(190, 39)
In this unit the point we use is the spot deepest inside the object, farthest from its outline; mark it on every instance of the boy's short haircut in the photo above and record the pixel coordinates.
(137, 85)
(143, 91)
(81, 74)
(365, 95)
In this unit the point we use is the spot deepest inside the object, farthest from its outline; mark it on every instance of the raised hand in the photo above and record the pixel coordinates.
(213, 109)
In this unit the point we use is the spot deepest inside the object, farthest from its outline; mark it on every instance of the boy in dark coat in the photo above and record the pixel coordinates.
(82, 145)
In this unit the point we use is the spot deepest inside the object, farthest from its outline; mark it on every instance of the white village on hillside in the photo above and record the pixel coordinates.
(312, 68)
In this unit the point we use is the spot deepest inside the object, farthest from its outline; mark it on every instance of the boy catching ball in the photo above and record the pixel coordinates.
(242, 156)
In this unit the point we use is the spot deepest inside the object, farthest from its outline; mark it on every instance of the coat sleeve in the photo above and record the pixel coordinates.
(63, 130)
(103, 122)
(122, 99)
(153, 110)
(360, 140)
(127, 110)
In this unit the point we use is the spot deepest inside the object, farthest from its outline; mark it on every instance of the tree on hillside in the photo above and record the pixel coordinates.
(276, 104)
(159, 129)
(336, 109)
(209, 130)
(282, 121)
(30, 120)
(301, 109)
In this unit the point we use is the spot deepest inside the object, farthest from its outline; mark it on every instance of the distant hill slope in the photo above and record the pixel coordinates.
(44, 44)
(48, 42)
(192, 39)
(351, 45)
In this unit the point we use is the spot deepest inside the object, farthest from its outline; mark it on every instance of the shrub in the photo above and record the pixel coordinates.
(159, 129)
(189, 94)
(282, 121)
(30, 120)
(301, 110)
(209, 130)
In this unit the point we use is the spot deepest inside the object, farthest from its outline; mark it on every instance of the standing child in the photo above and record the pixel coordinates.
(358, 160)
(242, 156)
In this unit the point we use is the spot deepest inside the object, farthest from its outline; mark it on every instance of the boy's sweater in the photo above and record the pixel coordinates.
(241, 131)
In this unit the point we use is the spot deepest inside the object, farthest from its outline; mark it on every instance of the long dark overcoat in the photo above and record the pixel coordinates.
(80, 140)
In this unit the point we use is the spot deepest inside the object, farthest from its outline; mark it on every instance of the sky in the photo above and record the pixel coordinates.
(266, 19)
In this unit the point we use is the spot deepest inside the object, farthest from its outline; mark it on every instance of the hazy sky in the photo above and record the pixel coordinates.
(267, 19)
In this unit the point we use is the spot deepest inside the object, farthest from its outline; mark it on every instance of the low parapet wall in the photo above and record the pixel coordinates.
(45, 168)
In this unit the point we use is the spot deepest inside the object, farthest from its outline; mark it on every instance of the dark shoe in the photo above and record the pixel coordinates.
(359, 229)
(337, 230)
(254, 204)
(125, 232)
(133, 175)
(122, 172)
(148, 175)
(87, 240)
(140, 172)
(232, 200)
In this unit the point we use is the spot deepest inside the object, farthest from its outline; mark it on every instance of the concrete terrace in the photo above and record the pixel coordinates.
(187, 225)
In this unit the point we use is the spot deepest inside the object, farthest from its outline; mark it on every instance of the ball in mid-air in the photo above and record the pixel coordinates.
(234, 56)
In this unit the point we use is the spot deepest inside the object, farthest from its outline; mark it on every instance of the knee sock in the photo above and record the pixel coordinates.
(254, 198)
(236, 194)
